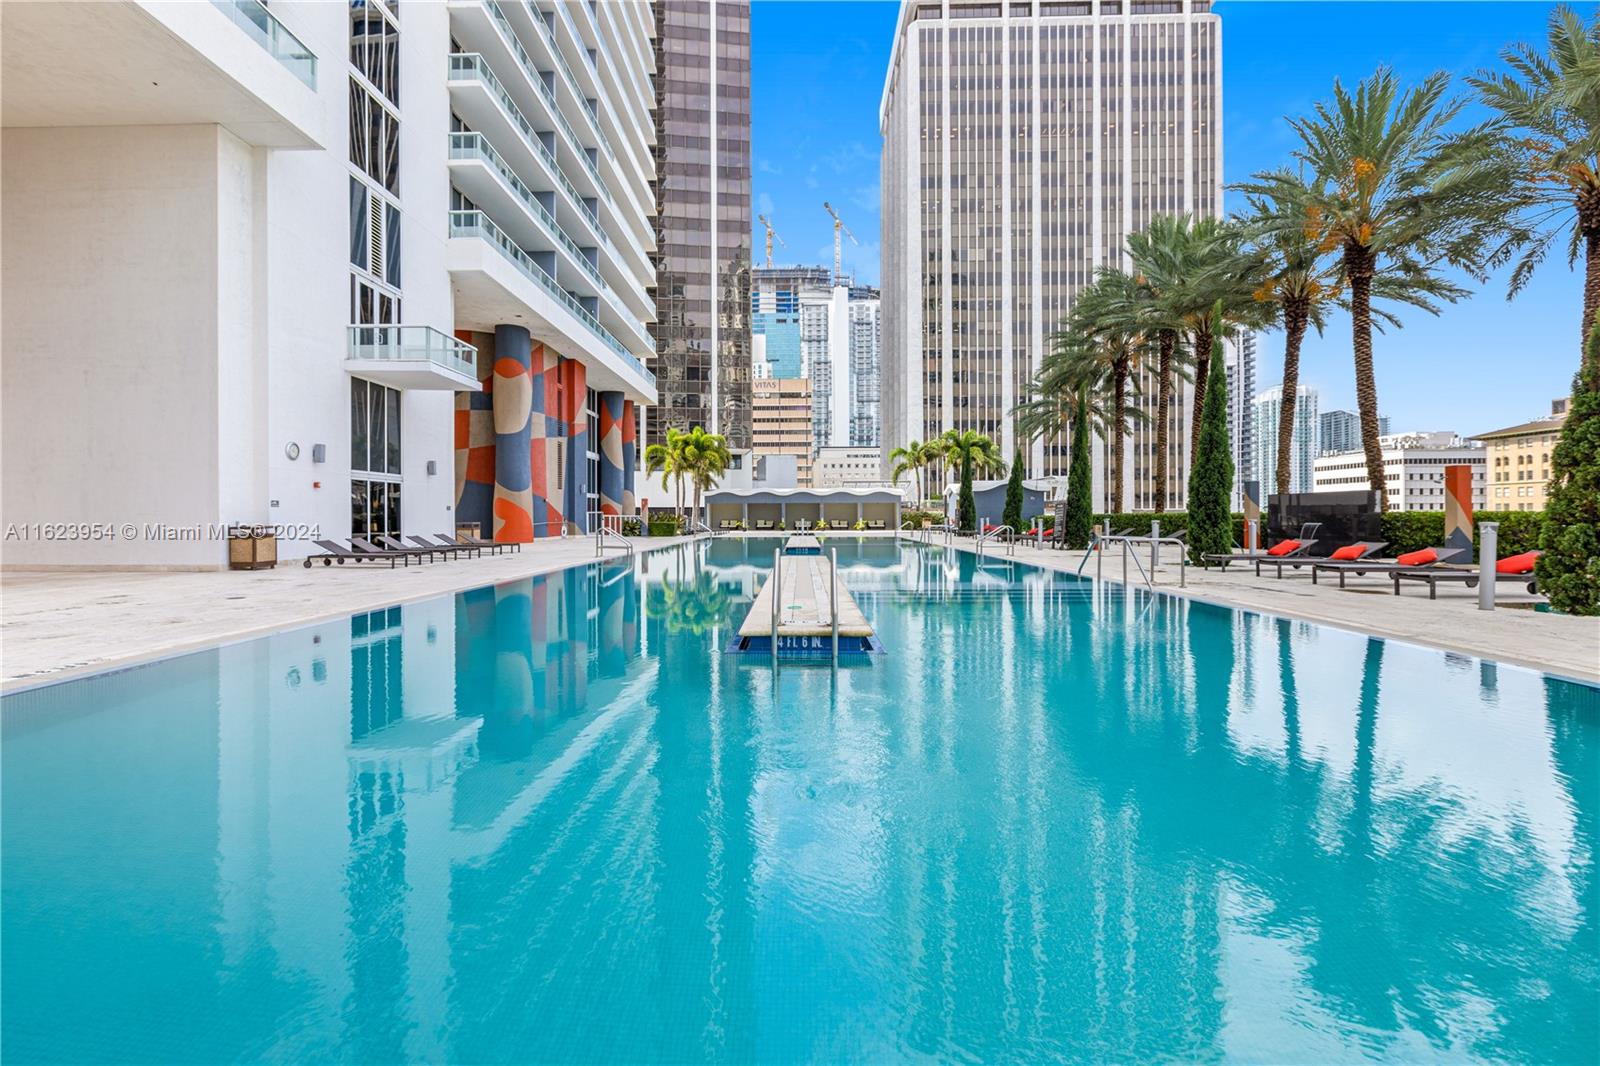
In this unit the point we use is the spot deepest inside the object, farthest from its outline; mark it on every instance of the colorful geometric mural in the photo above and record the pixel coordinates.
(1458, 507)
(521, 444)
(630, 457)
(610, 449)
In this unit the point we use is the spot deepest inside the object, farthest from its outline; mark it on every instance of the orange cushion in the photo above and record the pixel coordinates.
(1283, 547)
(1517, 564)
(1426, 555)
(1348, 552)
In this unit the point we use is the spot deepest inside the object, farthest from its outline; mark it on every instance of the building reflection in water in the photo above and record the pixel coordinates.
(1049, 822)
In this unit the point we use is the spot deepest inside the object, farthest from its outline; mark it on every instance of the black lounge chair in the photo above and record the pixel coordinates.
(1362, 567)
(450, 550)
(392, 544)
(362, 544)
(1466, 576)
(1224, 559)
(334, 552)
(463, 540)
(1296, 561)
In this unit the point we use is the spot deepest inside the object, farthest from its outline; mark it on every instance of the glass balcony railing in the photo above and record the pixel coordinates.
(531, 69)
(474, 146)
(470, 66)
(254, 19)
(413, 343)
(477, 224)
(572, 80)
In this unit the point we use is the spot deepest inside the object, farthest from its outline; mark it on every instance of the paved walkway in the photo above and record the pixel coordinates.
(803, 610)
(1512, 633)
(63, 622)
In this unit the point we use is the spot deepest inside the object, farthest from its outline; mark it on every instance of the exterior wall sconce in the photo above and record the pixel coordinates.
(319, 453)
(433, 467)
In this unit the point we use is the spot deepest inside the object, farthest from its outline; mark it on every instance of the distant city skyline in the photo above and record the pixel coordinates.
(817, 78)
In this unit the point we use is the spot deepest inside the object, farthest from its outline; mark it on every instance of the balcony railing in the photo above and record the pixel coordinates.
(470, 66)
(477, 224)
(413, 343)
(476, 146)
(254, 19)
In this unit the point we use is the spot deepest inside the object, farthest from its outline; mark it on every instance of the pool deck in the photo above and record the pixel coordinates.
(803, 606)
(1513, 633)
(56, 624)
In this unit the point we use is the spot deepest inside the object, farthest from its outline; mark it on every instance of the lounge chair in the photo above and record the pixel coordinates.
(1362, 567)
(1277, 551)
(334, 552)
(1520, 570)
(838, 523)
(463, 540)
(361, 544)
(1350, 553)
(874, 523)
(391, 544)
(451, 550)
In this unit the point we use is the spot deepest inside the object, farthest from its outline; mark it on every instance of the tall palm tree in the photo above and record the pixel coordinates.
(706, 458)
(1550, 104)
(671, 462)
(1298, 283)
(1403, 196)
(963, 447)
(1150, 309)
(913, 459)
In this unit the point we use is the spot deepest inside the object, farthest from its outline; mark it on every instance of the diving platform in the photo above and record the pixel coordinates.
(804, 608)
(802, 544)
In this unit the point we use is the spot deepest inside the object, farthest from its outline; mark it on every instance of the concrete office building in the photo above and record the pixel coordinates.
(1518, 461)
(702, 190)
(1266, 412)
(1023, 142)
(852, 467)
(1340, 431)
(1413, 470)
(299, 290)
(781, 422)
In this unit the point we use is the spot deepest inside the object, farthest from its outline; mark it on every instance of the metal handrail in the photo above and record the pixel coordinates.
(1011, 545)
(1099, 553)
(698, 526)
(602, 532)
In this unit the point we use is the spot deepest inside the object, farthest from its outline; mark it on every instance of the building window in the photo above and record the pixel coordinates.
(375, 433)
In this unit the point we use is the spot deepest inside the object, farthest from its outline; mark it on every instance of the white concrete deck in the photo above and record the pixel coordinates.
(1513, 633)
(803, 609)
(58, 623)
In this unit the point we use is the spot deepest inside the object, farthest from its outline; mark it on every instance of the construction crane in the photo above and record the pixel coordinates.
(838, 248)
(765, 221)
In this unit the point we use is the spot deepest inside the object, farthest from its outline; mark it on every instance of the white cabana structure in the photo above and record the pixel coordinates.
(836, 508)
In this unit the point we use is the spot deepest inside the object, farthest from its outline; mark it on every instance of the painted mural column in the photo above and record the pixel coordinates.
(474, 440)
(630, 458)
(610, 449)
(575, 425)
(512, 395)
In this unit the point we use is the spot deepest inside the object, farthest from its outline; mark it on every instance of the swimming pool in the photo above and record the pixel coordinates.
(557, 820)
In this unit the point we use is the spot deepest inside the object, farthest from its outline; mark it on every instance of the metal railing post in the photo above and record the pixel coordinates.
(833, 598)
(1155, 545)
(1488, 553)
(1124, 560)
(777, 589)
(1098, 546)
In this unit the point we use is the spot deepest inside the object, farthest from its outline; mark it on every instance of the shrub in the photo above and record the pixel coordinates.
(1569, 570)
(1079, 517)
(1211, 477)
(630, 527)
(966, 503)
(861, 524)
(664, 526)
(1409, 531)
(1012, 516)
(914, 519)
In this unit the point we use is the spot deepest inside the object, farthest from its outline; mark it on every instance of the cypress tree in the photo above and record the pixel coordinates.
(1211, 471)
(1569, 569)
(1080, 481)
(966, 504)
(1013, 513)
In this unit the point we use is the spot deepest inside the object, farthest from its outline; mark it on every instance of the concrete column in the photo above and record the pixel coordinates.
(611, 452)
(574, 403)
(474, 441)
(512, 399)
(630, 456)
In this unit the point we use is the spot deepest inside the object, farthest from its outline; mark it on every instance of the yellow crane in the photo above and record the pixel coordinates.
(838, 248)
(771, 234)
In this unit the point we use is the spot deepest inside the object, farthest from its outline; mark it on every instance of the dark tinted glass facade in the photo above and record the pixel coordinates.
(702, 258)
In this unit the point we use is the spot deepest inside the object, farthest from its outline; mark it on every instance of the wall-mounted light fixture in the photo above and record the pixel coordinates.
(433, 467)
(319, 453)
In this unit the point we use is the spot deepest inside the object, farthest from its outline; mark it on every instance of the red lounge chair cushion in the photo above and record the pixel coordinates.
(1348, 552)
(1517, 564)
(1418, 558)
(1283, 547)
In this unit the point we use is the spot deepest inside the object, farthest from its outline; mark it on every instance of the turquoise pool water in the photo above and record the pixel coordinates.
(555, 821)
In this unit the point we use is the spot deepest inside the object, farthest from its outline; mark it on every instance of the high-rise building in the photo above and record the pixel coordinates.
(1239, 357)
(320, 232)
(775, 313)
(702, 190)
(1341, 431)
(865, 349)
(1267, 410)
(1023, 142)
(781, 422)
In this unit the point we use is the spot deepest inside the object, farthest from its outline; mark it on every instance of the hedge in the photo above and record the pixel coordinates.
(1409, 531)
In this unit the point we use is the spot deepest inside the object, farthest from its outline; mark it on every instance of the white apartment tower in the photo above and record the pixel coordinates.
(1239, 360)
(310, 237)
(1022, 142)
(1304, 440)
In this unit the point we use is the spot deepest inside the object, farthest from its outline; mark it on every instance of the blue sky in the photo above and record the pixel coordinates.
(817, 77)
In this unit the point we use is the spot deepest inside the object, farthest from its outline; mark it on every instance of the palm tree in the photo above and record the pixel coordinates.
(669, 459)
(1401, 196)
(913, 459)
(1074, 372)
(968, 447)
(1550, 105)
(1298, 283)
(706, 458)
(1108, 345)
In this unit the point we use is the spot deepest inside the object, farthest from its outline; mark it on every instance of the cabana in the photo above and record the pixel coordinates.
(879, 508)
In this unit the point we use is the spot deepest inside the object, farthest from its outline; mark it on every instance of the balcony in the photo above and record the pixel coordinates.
(496, 281)
(263, 27)
(412, 357)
